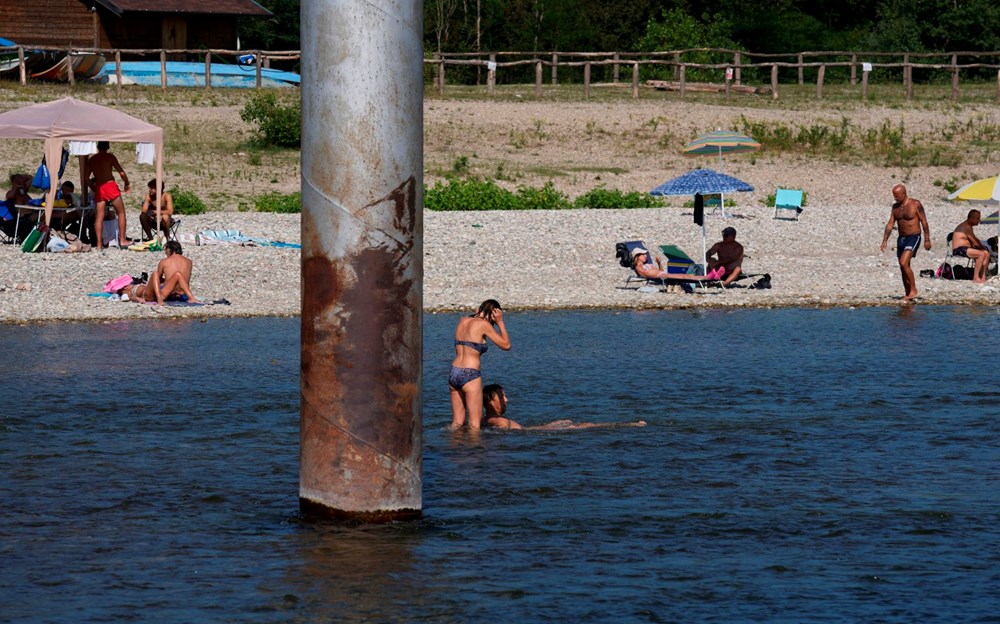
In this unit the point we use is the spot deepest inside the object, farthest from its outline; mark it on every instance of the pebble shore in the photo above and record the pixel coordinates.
(526, 260)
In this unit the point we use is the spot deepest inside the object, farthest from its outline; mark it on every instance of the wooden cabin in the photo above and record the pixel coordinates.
(126, 24)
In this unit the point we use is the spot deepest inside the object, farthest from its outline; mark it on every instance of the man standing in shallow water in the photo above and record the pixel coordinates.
(908, 214)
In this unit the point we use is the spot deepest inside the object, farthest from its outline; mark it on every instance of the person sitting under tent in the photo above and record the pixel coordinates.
(147, 216)
(655, 270)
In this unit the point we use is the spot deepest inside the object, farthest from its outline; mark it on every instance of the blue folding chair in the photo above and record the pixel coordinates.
(789, 200)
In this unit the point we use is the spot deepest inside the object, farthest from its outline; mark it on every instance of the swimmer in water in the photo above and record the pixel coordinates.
(495, 406)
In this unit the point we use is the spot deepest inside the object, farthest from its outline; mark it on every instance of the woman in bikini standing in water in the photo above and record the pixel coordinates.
(465, 382)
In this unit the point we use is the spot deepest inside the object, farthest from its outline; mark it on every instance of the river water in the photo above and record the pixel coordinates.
(799, 465)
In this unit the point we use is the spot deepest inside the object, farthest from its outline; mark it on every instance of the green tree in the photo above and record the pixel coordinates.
(280, 31)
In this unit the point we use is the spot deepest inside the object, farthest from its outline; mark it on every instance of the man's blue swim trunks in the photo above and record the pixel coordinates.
(911, 242)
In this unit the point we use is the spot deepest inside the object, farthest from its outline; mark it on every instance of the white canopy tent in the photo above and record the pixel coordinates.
(69, 119)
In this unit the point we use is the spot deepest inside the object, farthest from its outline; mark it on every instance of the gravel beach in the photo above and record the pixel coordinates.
(555, 259)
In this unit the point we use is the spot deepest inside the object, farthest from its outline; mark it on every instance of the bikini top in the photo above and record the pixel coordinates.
(481, 347)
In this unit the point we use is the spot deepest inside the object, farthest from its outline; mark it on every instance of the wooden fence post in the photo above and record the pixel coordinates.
(737, 64)
(441, 77)
(70, 74)
(682, 80)
(538, 79)
(163, 69)
(998, 85)
(208, 70)
(819, 81)
(491, 75)
(908, 77)
(21, 67)
(259, 62)
(729, 82)
(586, 80)
(555, 63)
(118, 68)
(954, 77)
(774, 82)
(854, 69)
(614, 68)
(677, 64)
(864, 85)
(635, 80)
(801, 70)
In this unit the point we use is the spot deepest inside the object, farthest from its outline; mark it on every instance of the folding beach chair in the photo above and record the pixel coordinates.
(8, 223)
(951, 262)
(789, 200)
(623, 251)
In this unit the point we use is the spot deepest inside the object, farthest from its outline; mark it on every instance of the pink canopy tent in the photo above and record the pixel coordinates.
(69, 119)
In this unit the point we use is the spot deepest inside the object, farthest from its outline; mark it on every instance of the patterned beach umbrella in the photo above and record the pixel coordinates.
(706, 182)
(720, 142)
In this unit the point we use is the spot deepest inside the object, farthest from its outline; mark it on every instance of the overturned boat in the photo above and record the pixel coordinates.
(192, 74)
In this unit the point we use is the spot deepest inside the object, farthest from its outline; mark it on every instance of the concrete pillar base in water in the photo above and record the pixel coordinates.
(362, 255)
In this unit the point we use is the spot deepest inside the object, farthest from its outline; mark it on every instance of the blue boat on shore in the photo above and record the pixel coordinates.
(192, 74)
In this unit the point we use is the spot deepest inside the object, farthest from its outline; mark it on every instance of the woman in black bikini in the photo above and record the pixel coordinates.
(465, 383)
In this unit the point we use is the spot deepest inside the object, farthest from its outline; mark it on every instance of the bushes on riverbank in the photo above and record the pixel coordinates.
(477, 194)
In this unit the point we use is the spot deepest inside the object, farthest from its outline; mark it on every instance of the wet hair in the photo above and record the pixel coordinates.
(487, 308)
(103, 145)
(174, 247)
(489, 392)
(152, 184)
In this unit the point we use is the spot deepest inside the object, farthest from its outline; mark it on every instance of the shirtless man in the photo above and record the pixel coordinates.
(730, 256)
(964, 243)
(495, 406)
(102, 165)
(908, 214)
(173, 274)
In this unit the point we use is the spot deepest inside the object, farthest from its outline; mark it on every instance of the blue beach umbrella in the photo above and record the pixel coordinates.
(705, 182)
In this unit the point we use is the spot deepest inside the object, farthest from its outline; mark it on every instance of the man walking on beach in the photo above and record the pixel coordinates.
(102, 165)
(908, 214)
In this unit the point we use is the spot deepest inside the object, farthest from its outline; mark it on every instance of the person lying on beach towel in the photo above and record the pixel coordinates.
(171, 281)
(495, 406)
(650, 270)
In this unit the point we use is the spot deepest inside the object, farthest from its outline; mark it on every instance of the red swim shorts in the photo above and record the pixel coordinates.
(108, 191)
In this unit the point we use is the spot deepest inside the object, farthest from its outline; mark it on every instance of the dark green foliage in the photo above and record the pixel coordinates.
(278, 124)
(187, 203)
(601, 197)
(476, 194)
(279, 202)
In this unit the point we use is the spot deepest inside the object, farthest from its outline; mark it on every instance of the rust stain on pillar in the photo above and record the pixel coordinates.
(362, 271)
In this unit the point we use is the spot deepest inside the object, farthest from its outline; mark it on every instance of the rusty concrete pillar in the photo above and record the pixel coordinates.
(362, 250)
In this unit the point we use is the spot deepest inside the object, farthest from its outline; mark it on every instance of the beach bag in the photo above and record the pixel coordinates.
(944, 271)
(110, 232)
(41, 179)
(117, 283)
(35, 241)
(57, 244)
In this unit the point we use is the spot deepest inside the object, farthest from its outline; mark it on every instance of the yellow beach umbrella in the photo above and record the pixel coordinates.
(985, 191)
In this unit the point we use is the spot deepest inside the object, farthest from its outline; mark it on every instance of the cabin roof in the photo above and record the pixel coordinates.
(218, 7)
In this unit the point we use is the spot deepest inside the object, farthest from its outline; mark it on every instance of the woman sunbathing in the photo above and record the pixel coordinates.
(644, 268)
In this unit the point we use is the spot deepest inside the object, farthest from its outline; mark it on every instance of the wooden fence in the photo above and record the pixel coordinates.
(262, 58)
(866, 62)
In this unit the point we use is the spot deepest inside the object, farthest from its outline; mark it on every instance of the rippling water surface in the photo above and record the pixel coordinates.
(799, 465)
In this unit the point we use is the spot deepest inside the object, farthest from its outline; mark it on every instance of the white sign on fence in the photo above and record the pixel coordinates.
(729, 73)
(866, 67)
(490, 65)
